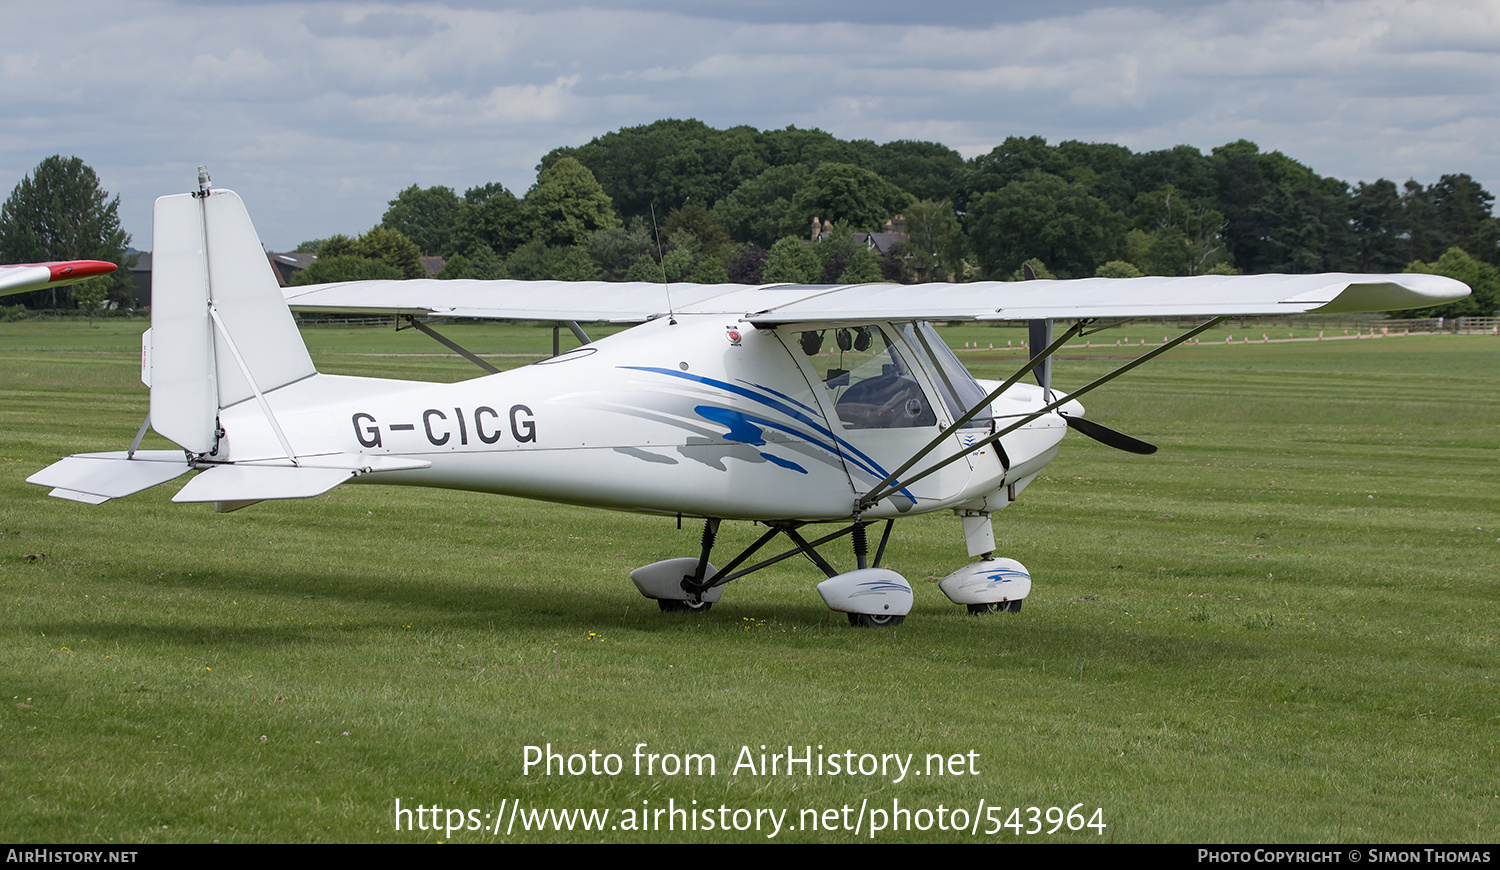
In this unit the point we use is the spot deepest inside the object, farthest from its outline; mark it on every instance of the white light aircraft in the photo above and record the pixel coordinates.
(797, 407)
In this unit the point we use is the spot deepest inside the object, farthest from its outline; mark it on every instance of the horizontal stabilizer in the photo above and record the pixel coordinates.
(74, 495)
(273, 479)
(105, 476)
(230, 483)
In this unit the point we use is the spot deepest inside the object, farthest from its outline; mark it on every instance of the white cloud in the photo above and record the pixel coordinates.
(319, 114)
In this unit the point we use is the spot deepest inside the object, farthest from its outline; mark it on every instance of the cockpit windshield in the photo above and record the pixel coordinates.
(959, 389)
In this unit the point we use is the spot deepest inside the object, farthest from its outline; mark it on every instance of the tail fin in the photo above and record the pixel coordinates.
(220, 335)
(221, 332)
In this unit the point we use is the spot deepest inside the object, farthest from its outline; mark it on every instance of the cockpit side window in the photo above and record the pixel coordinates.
(959, 389)
(872, 387)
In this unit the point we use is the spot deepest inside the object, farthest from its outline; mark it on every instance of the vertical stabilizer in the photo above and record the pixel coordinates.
(214, 297)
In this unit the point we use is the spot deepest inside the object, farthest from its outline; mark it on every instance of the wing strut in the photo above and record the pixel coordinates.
(450, 344)
(867, 501)
(574, 328)
(885, 487)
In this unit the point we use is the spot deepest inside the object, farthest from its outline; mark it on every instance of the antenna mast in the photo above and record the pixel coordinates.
(661, 259)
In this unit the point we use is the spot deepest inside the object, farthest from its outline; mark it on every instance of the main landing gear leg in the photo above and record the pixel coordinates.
(681, 584)
(861, 559)
(872, 596)
(692, 584)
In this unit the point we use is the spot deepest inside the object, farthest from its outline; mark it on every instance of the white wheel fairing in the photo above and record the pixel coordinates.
(990, 581)
(663, 580)
(872, 591)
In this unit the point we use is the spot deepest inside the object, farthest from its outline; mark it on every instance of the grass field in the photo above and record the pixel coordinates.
(1282, 627)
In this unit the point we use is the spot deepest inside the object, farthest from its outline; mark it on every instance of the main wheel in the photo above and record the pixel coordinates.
(997, 607)
(867, 620)
(675, 605)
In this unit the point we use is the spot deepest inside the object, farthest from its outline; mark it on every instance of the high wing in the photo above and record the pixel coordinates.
(26, 277)
(594, 301)
(799, 303)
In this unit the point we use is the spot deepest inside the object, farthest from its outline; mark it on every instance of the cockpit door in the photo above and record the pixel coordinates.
(881, 406)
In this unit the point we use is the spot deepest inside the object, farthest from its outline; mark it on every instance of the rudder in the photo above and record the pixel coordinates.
(220, 328)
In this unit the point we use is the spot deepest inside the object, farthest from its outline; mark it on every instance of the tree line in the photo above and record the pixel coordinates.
(681, 201)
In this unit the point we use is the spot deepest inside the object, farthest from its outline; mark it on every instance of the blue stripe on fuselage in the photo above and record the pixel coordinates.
(865, 463)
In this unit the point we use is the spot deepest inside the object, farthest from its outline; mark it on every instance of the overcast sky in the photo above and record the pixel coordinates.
(319, 113)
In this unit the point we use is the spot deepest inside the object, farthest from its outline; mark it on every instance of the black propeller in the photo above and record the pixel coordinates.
(1109, 437)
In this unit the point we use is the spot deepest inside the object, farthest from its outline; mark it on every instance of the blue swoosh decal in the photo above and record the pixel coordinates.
(739, 426)
(784, 463)
(854, 454)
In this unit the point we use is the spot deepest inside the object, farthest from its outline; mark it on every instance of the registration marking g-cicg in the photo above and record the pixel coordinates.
(443, 427)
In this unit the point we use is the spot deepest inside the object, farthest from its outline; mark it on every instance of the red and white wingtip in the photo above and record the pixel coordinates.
(34, 276)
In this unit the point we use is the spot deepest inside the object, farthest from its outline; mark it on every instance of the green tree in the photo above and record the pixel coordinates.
(490, 216)
(926, 170)
(935, 242)
(336, 245)
(566, 204)
(846, 258)
(345, 267)
(485, 264)
(859, 267)
(1462, 210)
(757, 210)
(1104, 167)
(701, 224)
(392, 248)
(337, 255)
(616, 249)
(668, 164)
(1280, 216)
(1044, 216)
(709, 269)
(1482, 278)
(427, 217)
(848, 193)
(456, 266)
(1008, 162)
(813, 147)
(91, 295)
(1377, 222)
(1039, 270)
(1180, 238)
(59, 212)
(645, 269)
(535, 261)
(792, 261)
(1184, 167)
(1117, 269)
(677, 265)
